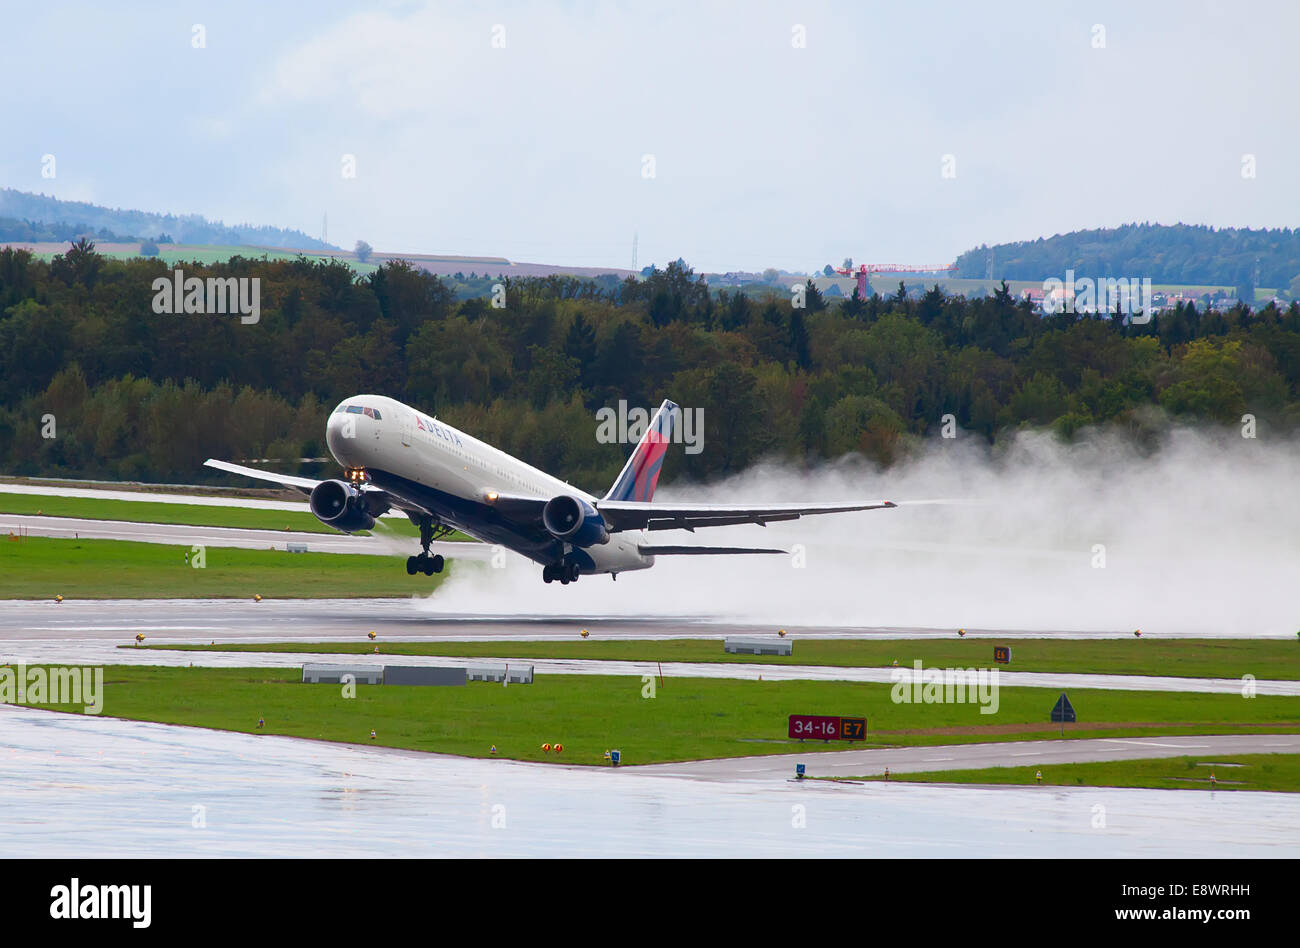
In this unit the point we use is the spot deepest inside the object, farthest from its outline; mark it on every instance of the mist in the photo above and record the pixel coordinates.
(1198, 537)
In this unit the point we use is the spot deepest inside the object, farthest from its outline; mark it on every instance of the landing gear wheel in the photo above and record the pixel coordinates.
(426, 563)
(548, 574)
(571, 572)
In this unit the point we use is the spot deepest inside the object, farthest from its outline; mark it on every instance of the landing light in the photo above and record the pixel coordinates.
(492, 496)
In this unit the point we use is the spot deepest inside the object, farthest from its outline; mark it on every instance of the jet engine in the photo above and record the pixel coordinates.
(574, 521)
(339, 505)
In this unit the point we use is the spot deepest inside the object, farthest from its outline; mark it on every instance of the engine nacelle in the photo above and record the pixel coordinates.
(574, 521)
(339, 505)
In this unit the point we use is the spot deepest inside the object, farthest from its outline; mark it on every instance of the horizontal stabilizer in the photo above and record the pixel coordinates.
(699, 550)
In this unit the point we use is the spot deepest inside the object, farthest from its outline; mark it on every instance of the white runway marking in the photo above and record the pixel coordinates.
(1122, 740)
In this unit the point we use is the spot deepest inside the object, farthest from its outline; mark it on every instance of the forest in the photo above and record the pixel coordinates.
(1182, 254)
(138, 395)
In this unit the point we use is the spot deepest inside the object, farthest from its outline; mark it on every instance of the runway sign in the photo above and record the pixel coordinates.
(1063, 711)
(816, 727)
(853, 729)
(1002, 654)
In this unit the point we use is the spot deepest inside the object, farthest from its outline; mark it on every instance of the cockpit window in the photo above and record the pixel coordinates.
(359, 410)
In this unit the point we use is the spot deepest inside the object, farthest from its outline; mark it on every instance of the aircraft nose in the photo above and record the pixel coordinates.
(340, 435)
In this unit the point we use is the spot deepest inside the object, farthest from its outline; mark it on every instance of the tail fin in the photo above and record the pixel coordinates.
(641, 473)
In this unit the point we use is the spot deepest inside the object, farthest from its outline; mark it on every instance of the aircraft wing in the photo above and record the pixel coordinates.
(700, 550)
(304, 484)
(377, 500)
(634, 515)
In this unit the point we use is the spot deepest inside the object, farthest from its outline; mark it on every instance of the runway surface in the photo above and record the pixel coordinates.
(91, 631)
(85, 786)
(188, 535)
(74, 786)
(865, 763)
(422, 618)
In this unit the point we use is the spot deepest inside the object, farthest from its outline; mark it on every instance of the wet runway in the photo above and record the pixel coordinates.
(422, 618)
(74, 786)
(91, 631)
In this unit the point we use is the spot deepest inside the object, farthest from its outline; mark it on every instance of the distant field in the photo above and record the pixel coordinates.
(687, 719)
(40, 568)
(199, 515)
(1274, 772)
(1189, 658)
(202, 253)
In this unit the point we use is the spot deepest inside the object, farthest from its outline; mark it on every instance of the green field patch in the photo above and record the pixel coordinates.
(686, 719)
(41, 568)
(198, 515)
(1274, 772)
(135, 511)
(1186, 658)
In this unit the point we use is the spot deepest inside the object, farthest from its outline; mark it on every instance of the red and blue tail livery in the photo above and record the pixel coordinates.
(641, 473)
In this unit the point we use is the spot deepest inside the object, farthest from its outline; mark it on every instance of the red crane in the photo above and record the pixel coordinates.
(866, 268)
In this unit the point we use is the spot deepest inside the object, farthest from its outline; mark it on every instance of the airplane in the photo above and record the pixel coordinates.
(395, 457)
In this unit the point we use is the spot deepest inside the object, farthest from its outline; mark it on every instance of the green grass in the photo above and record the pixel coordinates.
(172, 254)
(1189, 658)
(199, 515)
(688, 719)
(135, 511)
(1279, 772)
(40, 568)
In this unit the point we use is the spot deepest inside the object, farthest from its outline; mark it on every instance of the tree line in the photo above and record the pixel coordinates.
(145, 396)
(1171, 254)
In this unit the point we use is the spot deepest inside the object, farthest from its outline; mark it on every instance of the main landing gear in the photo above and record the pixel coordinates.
(565, 572)
(426, 563)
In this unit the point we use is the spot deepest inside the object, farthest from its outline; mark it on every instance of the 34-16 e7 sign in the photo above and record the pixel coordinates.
(819, 727)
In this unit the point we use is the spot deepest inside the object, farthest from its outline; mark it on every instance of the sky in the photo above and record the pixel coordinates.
(735, 135)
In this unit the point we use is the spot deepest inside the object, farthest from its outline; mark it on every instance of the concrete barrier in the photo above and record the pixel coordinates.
(423, 675)
(333, 674)
(519, 674)
(758, 646)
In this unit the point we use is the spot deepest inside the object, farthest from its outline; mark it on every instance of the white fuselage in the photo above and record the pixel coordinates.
(462, 471)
